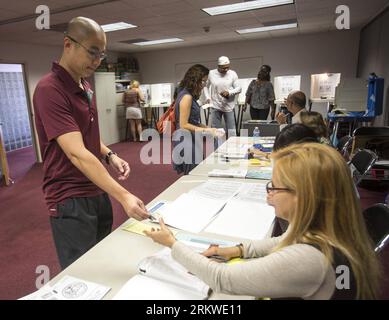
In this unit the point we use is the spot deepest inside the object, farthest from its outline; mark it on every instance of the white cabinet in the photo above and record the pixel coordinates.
(106, 106)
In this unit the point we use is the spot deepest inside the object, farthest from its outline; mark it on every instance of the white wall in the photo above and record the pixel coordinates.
(305, 54)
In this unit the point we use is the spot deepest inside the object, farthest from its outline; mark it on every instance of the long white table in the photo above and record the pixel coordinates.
(216, 161)
(113, 261)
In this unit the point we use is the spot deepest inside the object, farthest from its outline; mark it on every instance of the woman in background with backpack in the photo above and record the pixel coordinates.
(188, 151)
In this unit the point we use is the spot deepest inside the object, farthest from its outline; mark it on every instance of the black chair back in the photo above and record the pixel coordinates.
(377, 223)
(343, 145)
(371, 131)
(362, 161)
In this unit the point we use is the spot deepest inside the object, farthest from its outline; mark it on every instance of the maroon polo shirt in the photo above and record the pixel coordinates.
(61, 106)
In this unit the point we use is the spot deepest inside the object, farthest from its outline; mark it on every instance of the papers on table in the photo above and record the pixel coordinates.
(246, 216)
(234, 149)
(70, 288)
(139, 227)
(251, 173)
(162, 278)
(228, 173)
(200, 244)
(223, 207)
(192, 211)
(259, 173)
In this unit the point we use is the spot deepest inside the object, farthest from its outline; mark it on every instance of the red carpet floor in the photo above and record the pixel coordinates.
(25, 236)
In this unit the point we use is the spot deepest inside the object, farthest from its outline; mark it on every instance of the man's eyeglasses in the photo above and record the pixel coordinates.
(95, 54)
(270, 188)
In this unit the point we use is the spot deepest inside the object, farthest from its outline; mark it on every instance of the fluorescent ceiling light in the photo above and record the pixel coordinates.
(151, 42)
(117, 26)
(268, 28)
(245, 6)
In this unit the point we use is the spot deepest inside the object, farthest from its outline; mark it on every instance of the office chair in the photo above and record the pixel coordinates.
(377, 223)
(361, 163)
(343, 146)
(371, 131)
(372, 138)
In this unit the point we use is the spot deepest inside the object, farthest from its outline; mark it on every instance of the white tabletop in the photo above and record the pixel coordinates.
(113, 261)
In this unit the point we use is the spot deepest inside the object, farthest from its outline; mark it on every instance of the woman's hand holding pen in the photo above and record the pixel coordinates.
(227, 253)
(257, 152)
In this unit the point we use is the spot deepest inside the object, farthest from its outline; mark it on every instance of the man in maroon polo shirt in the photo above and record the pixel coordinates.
(76, 184)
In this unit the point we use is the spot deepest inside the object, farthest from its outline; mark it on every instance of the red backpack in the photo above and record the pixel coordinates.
(167, 123)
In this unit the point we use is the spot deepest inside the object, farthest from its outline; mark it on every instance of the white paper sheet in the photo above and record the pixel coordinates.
(243, 219)
(70, 288)
(194, 210)
(144, 288)
(161, 277)
(228, 173)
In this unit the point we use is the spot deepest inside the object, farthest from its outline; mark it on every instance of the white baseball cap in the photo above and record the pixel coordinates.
(223, 61)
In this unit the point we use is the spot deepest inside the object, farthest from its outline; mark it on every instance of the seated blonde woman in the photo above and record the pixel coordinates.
(312, 188)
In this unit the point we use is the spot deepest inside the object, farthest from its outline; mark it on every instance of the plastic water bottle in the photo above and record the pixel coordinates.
(256, 138)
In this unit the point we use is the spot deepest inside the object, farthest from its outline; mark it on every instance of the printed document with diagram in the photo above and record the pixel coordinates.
(70, 288)
(162, 278)
(194, 210)
(246, 216)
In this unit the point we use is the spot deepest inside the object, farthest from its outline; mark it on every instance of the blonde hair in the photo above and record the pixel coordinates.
(134, 84)
(327, 213)
(315, 121)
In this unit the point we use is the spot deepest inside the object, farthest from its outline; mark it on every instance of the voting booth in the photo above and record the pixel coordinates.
(323, 91)
(357, 100)
(284, 85)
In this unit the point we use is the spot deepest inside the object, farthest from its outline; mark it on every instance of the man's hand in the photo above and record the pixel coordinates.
(245, 107)
(281, 118)
(134, 207)
(225, 94)
(121, 167)
(162, 236)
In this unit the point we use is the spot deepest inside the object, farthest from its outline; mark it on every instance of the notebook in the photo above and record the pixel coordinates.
(162, 278)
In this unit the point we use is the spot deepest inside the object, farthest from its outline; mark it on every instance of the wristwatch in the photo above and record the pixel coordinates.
(108, 155)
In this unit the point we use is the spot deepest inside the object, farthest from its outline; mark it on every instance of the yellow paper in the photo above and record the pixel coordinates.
(260, 163)
(236, 260)
(138, 227)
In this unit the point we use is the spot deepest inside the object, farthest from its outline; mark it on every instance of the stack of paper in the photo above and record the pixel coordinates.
(228, 173)
(194, 210)
(162, 278)
(262, 173)
(246, 216)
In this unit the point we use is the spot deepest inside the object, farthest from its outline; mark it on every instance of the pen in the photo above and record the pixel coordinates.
(152, 218)
(220, 258)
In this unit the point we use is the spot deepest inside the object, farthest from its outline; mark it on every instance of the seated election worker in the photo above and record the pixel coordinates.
(327, 238)
(292, 133)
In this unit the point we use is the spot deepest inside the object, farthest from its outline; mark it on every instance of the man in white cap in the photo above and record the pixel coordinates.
(220, 91)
